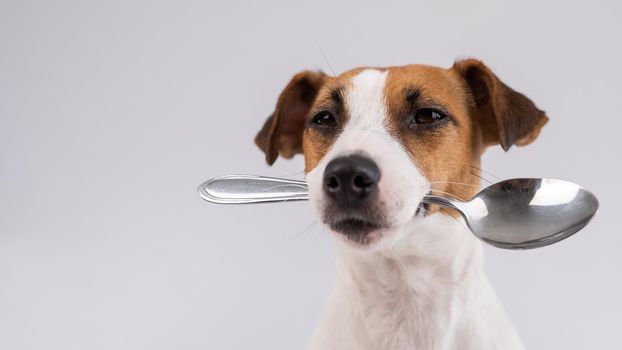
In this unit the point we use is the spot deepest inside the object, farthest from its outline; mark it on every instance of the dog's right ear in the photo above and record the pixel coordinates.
(282, 132)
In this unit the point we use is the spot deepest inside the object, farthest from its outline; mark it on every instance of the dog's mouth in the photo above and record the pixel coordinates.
(357, 230)
(364, 226)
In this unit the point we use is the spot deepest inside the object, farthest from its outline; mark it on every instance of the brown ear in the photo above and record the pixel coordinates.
(282, 132)
(506, 117)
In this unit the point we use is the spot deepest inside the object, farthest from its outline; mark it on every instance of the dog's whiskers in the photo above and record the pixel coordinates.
(312, 226)
(485, 172)
(448, 194)
(330, 67)
(457, 220)
(481, 177)
(453, 183)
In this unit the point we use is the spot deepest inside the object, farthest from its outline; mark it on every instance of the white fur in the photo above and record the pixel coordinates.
(421, 286)
(401, 186)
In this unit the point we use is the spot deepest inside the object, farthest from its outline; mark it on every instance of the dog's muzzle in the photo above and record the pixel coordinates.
(351, 188)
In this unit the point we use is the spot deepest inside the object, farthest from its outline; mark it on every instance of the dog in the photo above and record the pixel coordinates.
(376, 141)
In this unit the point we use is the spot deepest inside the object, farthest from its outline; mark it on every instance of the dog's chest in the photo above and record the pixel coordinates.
(400, 309)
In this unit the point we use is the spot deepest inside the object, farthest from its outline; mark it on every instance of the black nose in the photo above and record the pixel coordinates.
(352, 179)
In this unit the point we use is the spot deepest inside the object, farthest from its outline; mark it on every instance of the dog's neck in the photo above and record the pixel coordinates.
(411, 288)
(437, 248)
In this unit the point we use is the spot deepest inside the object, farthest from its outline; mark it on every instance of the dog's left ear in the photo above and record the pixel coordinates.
(505, 116)
(282, 132)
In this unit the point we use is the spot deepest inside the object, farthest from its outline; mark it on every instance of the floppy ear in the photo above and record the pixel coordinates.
(282, 132)
(506, 117)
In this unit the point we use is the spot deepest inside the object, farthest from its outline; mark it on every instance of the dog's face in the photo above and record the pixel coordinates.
(377, 140)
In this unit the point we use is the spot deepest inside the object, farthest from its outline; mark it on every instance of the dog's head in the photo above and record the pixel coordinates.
(376, 140)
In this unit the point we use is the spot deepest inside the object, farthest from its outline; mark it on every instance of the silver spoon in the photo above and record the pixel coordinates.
(511, 214)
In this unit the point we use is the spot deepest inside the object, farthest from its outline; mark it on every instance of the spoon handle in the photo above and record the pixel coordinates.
(242, 189)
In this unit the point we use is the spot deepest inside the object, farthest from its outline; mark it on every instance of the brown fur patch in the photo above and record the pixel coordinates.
(447, 155)
(316, 144)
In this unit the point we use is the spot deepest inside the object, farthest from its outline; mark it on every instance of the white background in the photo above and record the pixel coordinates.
(113, 112)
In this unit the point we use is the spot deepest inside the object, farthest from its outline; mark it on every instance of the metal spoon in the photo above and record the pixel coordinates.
(511, 214)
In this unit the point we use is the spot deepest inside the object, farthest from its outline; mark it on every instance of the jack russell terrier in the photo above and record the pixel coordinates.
(375, 142)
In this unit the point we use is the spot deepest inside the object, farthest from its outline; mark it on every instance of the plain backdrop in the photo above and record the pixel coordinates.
(113, 112)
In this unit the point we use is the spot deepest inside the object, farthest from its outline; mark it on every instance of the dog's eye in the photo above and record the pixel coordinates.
(324, 119)
(428, 116)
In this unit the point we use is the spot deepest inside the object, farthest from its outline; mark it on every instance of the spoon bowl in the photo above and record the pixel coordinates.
(512, 214)
(525, 213)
